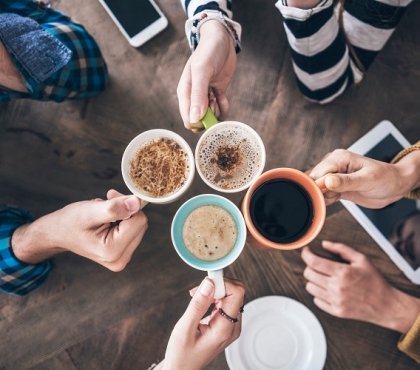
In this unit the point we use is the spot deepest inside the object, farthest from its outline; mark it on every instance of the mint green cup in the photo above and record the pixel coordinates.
(213, 268)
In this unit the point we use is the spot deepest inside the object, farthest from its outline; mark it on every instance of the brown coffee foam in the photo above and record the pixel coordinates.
(209, 232)
(159, 167)
(246, 166)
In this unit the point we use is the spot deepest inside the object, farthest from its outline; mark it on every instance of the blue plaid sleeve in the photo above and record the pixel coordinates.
(17, 277)
(85, 75)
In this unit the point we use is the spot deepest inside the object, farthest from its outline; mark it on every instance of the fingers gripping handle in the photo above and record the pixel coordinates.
(219, 284)
(209, 119)
(206, 122)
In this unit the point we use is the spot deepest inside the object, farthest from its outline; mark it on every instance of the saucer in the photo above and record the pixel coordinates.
(278, 333)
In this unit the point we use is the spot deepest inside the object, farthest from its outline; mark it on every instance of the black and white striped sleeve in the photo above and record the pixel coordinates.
(321, 60)
(194, 7)
(328, 54)
(202, 11)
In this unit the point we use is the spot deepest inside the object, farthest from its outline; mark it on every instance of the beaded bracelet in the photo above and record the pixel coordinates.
(415, 193)
(227, 317)
(193, 25)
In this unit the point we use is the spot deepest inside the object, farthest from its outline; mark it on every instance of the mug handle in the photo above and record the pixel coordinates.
(143, 203)
(219, 283)
(208, 121)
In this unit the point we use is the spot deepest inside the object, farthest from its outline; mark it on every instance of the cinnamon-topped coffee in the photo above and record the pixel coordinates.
(229, 156)
(159, 167)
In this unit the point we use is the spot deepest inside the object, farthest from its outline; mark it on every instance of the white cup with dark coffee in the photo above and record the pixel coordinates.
(158, 166)
(230, 155)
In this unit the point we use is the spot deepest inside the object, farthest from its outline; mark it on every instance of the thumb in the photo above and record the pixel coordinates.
(199, 95)
(340, 183)
(199, 304)
(115, 209)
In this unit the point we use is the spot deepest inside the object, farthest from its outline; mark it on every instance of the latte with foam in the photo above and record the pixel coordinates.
(209, 232)
(230, 156)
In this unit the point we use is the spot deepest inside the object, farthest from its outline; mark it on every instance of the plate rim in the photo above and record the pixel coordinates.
(321, 356)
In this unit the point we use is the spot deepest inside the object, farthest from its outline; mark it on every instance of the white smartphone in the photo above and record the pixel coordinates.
(138, 20)
(395, 227)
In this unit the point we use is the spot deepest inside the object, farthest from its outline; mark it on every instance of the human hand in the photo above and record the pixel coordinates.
(356, 290)
(9, 74)
(208, 71)
(105, 231)
(367, 182)
(195, 342)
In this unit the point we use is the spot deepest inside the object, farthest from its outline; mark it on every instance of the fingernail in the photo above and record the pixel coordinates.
(326, 242)
(131, 204)
(206, 288)
(195, 114)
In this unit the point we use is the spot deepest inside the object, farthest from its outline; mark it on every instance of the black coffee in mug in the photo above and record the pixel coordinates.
(281, 210)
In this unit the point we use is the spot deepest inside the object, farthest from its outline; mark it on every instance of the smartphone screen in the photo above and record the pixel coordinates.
(133, 15)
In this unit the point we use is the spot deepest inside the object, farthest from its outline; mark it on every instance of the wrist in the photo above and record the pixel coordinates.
(404, 311)
(409, 171)
(9, 75)
(216, 31)
(160, 365)
(303, 4)
(31, 242)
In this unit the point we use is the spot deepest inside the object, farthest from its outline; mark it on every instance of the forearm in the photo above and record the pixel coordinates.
(409, 170)
(302, 4)
(9, 75)
(31, 243)
(213, 31)
(404, 310)
(159, 366)
(16, 276)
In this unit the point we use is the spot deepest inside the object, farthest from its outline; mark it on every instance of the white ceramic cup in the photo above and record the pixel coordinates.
(131, 151)
(219, 128)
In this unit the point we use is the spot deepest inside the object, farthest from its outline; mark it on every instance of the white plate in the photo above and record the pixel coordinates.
(278, 333)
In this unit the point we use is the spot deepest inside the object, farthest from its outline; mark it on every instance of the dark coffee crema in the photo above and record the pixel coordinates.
(229, 157)
(281, 210)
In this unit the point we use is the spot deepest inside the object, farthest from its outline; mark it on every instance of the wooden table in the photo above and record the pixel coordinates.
(86, 317)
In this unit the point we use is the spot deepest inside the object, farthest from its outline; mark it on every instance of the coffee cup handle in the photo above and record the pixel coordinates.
(207, 121)
(143, 203)
(219, 283)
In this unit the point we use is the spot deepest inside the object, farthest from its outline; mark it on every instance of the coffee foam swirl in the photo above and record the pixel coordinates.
(248, 157)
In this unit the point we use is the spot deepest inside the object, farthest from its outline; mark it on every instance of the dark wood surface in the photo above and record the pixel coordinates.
(86, 317)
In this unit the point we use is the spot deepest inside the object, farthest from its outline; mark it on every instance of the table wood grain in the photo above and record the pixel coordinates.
(86, 317)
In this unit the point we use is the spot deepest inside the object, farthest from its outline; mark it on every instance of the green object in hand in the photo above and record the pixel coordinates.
(209, 119)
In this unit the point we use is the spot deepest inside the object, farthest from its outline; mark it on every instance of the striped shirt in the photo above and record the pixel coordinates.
(17, 277)
(84, 75)
(331, 45)
(194, 7)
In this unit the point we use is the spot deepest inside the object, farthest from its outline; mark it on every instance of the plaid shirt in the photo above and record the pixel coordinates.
(17, 277)
(85, 75)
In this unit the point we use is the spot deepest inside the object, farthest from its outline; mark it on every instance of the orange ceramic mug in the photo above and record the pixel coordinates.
(313, 194)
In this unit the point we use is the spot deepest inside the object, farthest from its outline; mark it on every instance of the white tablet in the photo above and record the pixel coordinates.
(392, 227)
